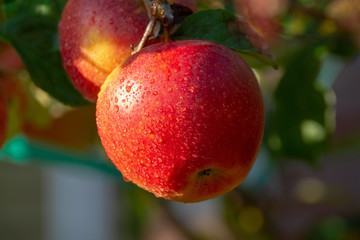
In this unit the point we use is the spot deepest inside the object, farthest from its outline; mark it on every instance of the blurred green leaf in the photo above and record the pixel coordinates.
(302, 121)
(335, 227)
(15, 8)
(32, 31)
(219, 26)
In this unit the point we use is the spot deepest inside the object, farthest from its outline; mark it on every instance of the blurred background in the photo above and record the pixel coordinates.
(56, 182)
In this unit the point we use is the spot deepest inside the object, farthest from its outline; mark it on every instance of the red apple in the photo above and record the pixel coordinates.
(3, 115)
(183, 120)
(260, 16)
(95, 37)
(10, 61)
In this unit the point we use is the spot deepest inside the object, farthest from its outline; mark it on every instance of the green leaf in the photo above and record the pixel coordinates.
(219, 26)
(303, 118)
(31, 29)
(35, 39)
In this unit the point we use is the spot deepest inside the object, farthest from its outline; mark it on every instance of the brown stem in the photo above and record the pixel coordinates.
(145, 37)
(159, 12)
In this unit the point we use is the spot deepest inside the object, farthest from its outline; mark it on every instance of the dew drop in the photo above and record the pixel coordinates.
(155, 93)
(128, 87)
(116, 108)
(107, 105)
(183, 158)
(170, 90)
(194, 155)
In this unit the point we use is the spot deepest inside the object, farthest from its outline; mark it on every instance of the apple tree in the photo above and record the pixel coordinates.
(163, 89)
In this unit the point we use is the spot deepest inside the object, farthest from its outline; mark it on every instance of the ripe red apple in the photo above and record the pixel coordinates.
(95, 37)
(3, 115)
(10, 61)
(183, 120)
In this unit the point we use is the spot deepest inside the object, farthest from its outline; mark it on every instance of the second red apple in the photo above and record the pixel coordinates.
(95, 37)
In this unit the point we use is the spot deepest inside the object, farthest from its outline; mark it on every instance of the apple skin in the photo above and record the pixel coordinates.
(10, 61)
(95, 37)
(3, 115)
(183, 120)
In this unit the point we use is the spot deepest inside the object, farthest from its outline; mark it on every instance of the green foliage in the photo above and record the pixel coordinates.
(219, 26)
(31, 27)
(300, 125)
(336, 227)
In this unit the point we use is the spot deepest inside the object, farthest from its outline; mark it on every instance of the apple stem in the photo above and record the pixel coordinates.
(160, 14)
(147, 33)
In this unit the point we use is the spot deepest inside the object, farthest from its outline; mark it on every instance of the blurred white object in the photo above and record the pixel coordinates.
(79, 204)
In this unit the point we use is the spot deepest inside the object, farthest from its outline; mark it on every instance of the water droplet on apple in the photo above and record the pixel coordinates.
(170, 90)
(128, 87)
(183, 158)
(92, 20)
(126, 179)
(116, 107)
(155, 93)
(107, 105)
(194, 155)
